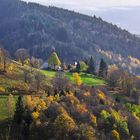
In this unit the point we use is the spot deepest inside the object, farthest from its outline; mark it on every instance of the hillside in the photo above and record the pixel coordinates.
(74, 36)
(83, 112)
(17, 74)
(24, 80)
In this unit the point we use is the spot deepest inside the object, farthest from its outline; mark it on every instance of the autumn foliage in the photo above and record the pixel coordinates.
(77, 79)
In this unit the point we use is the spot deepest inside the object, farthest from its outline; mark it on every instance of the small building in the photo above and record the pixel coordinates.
(45, 66)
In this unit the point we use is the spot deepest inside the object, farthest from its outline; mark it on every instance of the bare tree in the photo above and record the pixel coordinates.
(39, 80)
(22, 55)
(28, 76)
(127, 82)
(35, 63)
(10, 105)
(61, 82)
(3, 58)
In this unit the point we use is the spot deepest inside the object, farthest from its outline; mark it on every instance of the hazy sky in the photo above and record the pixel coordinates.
(124, 13)
(94, 3)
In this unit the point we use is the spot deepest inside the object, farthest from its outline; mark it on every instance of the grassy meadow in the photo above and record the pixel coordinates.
(87, 79)
(3, 107)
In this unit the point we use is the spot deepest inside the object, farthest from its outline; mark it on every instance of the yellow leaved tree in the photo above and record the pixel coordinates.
(54, 60)
(77, 79)
(35, 102)
(35, 115)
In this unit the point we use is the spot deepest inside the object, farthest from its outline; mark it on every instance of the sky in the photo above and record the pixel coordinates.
(124, 13)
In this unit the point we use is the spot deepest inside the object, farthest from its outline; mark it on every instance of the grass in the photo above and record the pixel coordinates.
(48, 73)
(16, 77)
(3, 108)
(87, 79)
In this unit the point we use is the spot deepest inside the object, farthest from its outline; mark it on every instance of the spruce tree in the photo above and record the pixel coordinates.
(18, 117)
(78, 67)
(103, 69)
(91, 66)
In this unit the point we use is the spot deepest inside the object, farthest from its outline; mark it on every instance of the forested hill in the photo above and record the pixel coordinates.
(39, 28)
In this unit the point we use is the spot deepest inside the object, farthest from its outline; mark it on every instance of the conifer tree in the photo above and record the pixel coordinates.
(78, 67)
(18, 117)
(91, 66)
(103, 69)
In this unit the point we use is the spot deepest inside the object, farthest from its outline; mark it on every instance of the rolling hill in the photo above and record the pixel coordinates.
(74, 36)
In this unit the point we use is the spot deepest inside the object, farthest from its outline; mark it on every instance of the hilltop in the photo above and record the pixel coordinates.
(40, 28)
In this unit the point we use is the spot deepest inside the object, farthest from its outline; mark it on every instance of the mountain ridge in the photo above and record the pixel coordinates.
(40, 28)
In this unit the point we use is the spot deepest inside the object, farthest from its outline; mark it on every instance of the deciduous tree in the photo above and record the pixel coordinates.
(10, 104)
(38, 79)
(77, 79)
(61, 82)
(83, 66)
(3, 58)
(54, 60)
(35, 62)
